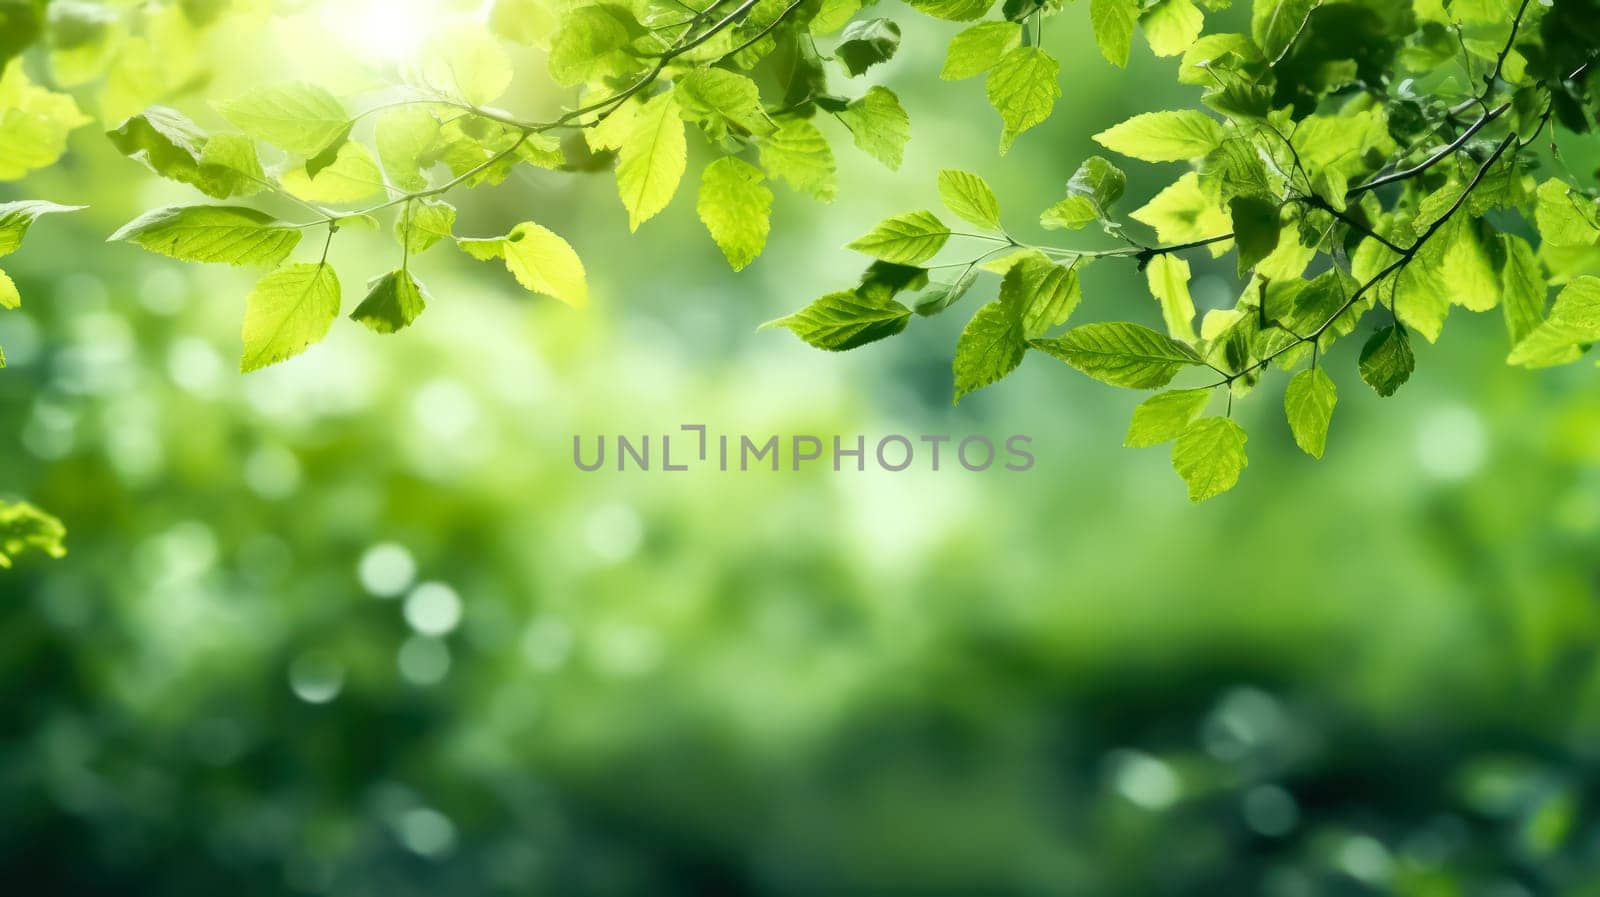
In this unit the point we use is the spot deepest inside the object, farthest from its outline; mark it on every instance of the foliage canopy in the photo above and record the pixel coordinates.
(1367, 164)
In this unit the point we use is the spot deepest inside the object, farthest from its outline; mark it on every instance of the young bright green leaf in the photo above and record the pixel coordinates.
(846, 320)
(529, 22)
(798, 153)
(10, 297)
(1210, 456)
(24, 529)
(736, 207)
(652, 158)
(970, 197)
(1308, 402)
(17, 217)
(1091, 192)
(1173, 136)
(1185, 212)
(953, 10)
(991, 346)
(423, 224)
(1387, 361)
(1041, 292)
(352, 177)
(832, 15)
(545, 263)
(1573, 325)
(592, 43)
(299, 118)
(1255, 229)
(1121, 354)
(1523, 284)
(34, 123)
(1023, 88)
(1171, 26)
(231, 235)
(867, 43)
(1566, 217)
(1113, 21)
(908, 239)
(407, 138)
(976, 50)
(716, 98)
(229, 166)
(465, 61)
(1168, 276)
(1276, 23)
(878, 125)
(393, 302)
(289, 310)
(1164, 416)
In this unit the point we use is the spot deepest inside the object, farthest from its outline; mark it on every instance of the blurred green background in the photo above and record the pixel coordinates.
(357, 626)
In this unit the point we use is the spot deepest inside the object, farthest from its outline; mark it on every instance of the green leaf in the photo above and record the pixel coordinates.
(1043, 293)
(34, 124)
(970, 197)
(953, 10)
(592, 43)
(1210, 456)
(1386, 360)
(991, 346)
(1091, 192)
(545, 263)
(878, 125)
(908, 239)
(423, 224)
(1185, 212)
(1523, 284)
(651, 160)
(289, 310)
(1168, 276)
(229, 167)
(299, 118)
(1175, 136)
(393, 302)
(1255, 229)
(465, 61)
(24, 529)
(352, 176)
(736, 207)
(798, 153)
(716, 98)
(846, 320)
(165, 141)
(1121, 354)
(1113, 21)
(1308, 402)
(943, 295)
(1565, 216)
(10, 297)
(976, 50)
(1023, 88)
(231, 235)
(407, 138)
(1171, 26)
(17, 217)
(1574, 324)
(530, 22)
(1276, 23)
(21, 23)
(1164, 416)
(867, 43)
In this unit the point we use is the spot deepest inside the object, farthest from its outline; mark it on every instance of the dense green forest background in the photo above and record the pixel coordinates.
(355, 624)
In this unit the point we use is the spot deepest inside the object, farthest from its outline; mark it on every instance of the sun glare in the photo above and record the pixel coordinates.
(384, 30)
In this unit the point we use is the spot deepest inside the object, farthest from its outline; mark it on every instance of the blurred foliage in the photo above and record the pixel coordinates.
(355, 624)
